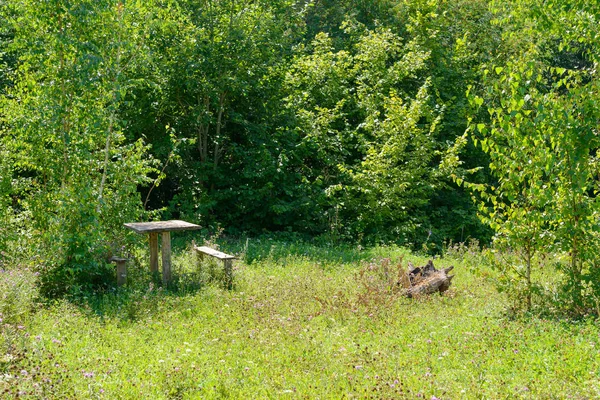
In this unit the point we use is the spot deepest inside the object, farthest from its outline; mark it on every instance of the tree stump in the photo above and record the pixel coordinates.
(428, 280)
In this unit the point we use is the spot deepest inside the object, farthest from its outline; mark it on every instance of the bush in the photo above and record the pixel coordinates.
(581, 298)
(75, 279)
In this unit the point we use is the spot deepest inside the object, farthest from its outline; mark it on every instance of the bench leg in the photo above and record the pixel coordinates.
(228, 274)
(199, 258)
(121, 273)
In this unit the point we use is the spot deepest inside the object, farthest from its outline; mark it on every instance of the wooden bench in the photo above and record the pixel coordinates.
(121, 269)
(201, 251)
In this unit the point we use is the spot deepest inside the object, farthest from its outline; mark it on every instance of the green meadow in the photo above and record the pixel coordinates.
(303, 321)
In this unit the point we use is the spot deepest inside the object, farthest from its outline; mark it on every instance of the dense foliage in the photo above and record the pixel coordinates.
(339, 119)
(542, 138)
(321, 118)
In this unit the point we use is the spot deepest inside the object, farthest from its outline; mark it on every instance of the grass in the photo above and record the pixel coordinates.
(302, 322)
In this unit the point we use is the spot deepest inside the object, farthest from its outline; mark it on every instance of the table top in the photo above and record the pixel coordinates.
(161, 226)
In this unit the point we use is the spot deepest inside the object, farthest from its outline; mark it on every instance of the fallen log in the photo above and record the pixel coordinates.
(428, 280)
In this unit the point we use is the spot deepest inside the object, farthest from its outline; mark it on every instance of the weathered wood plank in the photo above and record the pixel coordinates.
(161, 226)
(121, 273)
(215, 253)
(121, 269)
(166, 257)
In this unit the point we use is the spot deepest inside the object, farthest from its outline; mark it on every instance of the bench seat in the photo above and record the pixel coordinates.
(226, 258)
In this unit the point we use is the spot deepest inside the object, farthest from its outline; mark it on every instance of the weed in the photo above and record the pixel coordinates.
(381, 282)
(18, 293)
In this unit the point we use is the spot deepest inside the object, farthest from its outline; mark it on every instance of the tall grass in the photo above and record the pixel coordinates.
(18, 293)
(18, 296)
(302, 323)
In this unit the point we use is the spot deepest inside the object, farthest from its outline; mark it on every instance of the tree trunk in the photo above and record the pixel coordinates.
(203, 129)
(219, 149)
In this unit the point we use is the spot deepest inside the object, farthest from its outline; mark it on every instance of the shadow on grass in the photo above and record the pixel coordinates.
(144, 295)
(276, 247)
(259, 249)
(130, 304)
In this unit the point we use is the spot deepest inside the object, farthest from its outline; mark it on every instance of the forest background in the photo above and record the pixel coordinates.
(412, 122)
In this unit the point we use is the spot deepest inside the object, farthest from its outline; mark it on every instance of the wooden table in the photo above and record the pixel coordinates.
(164, 228)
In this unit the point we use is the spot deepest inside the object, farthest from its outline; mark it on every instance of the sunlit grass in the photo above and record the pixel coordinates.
(299, 325)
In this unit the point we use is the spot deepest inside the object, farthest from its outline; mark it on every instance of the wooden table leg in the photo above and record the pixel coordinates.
(153, 237)
(166, 257)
